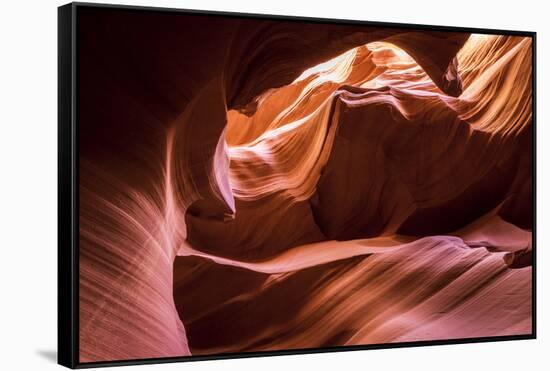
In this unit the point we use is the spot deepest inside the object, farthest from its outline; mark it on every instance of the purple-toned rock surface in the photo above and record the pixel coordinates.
(251, 185)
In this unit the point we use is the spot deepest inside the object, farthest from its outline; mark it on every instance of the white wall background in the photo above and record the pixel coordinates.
(28, 181)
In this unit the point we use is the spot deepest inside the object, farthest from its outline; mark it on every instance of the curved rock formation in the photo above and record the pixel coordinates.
(251, 185)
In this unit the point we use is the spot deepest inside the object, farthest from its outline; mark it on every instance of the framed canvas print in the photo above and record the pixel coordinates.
(236, 185)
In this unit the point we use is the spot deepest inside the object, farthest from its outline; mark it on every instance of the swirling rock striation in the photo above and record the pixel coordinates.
(252, 184)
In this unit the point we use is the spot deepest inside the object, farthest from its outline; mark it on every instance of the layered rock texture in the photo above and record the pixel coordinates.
(257, 185)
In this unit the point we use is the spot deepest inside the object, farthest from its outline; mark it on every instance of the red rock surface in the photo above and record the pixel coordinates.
(253, 185)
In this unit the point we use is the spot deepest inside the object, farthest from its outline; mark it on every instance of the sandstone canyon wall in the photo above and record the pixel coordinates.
(252, 185)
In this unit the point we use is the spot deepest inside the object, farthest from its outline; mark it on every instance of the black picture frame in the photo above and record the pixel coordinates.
(68, 191)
